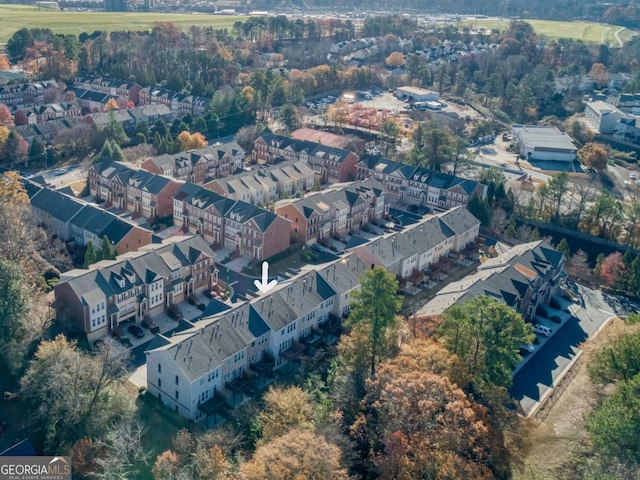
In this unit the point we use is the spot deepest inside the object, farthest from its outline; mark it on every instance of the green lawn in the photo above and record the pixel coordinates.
(15, 17)
(585, 31)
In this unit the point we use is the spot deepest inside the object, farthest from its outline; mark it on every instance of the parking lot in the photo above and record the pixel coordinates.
(537, 376)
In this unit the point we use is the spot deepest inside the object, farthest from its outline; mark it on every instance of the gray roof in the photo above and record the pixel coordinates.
(534, 136)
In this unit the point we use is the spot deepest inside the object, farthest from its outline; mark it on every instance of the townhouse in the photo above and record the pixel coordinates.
(408, 184)
(129, 91)
(335, 211)
(97, 101)
(44, 113)
(137, 191)
(46, 131)
(267, 183)
(179, 103)
(25, 94)
(73, 220)
(202, 371)
(200, 164)
(210, 368)
(430, 246)
(223, 222)
(100, 299)
(330, 164)
(524, 277)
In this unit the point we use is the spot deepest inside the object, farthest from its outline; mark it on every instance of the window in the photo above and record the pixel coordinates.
(177, 395)
(177, 380)
(159, 383)
(159, 368)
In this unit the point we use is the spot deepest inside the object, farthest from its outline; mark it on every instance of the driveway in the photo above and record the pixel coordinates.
(542, 371)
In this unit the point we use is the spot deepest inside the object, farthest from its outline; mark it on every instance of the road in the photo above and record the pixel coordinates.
(593, 310)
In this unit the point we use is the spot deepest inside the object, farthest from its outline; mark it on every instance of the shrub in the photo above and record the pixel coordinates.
(142, 390)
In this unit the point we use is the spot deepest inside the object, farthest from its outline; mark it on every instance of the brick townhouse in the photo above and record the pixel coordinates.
(223, 222)
(137, 191)
(335, 211)
(330, 164)
(110, 293)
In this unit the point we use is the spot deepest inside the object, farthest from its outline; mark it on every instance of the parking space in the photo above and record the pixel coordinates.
(536, 376)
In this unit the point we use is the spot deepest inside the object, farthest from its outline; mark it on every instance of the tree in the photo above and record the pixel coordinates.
(618, 362)
(190, 141)
(395, 60)
(37, 152)
(614, 425)
(15, 306)
(563, 247)
(487, 336)
(285, 409)
(75, 395)
(4, 63)
(611, 268)
(479, 208)
(246, 136)
(599, 73)
(420, 425)
(374, 307)
(166, 466)
(4, 135)
(114, 130)
(111, 105)
(594, 155)
(557, 188)
(107, 251)
(295, 455)
(90, 255)
(110, 152)
(290, 117)
(16, 149)
(390, 131)
(5, 115)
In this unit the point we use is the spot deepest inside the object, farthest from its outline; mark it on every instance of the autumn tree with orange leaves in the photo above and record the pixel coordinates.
(189, 141)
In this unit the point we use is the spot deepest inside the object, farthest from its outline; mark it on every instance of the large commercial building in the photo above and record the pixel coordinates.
(415, 94)
(538, 142)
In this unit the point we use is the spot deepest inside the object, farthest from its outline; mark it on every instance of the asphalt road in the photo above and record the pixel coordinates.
(541, 372)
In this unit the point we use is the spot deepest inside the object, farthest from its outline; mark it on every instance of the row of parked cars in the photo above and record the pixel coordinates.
(321, 103)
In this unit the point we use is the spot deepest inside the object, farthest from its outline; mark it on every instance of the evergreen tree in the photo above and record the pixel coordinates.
(90, 255)
(107, 251)
(37, 151)
(563, 247)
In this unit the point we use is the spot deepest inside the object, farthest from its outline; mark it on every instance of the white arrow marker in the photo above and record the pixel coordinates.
(265, 285)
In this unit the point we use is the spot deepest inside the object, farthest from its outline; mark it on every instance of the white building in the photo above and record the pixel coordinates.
(415, 94)
(539, 142)
(603, 116)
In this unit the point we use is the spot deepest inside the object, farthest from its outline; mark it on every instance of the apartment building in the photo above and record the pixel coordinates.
(179, 103)
(25, 94)
(408, 184)
(110, 293)
(44, 113)
(223, 222)
(127, 90)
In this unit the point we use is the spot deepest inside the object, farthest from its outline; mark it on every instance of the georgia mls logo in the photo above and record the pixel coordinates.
(35, 468)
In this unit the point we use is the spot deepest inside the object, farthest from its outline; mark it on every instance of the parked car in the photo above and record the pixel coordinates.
(542, 330)
(136, 331)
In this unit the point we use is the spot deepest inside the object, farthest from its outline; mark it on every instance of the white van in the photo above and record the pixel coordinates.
(542, 330)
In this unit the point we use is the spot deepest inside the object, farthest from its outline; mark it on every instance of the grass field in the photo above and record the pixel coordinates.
(585, 31)
(15, 17)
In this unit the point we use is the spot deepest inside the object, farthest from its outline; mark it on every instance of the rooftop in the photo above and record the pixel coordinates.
(533, 136)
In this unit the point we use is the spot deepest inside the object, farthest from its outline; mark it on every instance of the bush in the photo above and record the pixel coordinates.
(142, 390)
(191, 301)
(201, 307)
(125, 341)
(155, 330)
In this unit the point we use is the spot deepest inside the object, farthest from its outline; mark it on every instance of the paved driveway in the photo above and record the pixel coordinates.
(543, 370)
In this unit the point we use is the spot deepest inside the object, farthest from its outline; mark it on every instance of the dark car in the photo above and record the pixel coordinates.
(136, 331)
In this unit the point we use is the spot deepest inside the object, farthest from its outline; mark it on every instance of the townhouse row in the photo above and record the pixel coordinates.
(335, 211)
(26, 94)
(428, 247)
(199, 165)
(71, 219)
(228, 353)
(52, 119)
(412, 185)
(146, 283)
(139, 192)
(330, 164)
(267, 183)
(208, 368)
(524, 277)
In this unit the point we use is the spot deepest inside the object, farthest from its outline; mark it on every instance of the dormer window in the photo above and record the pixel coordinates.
(121, 282)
